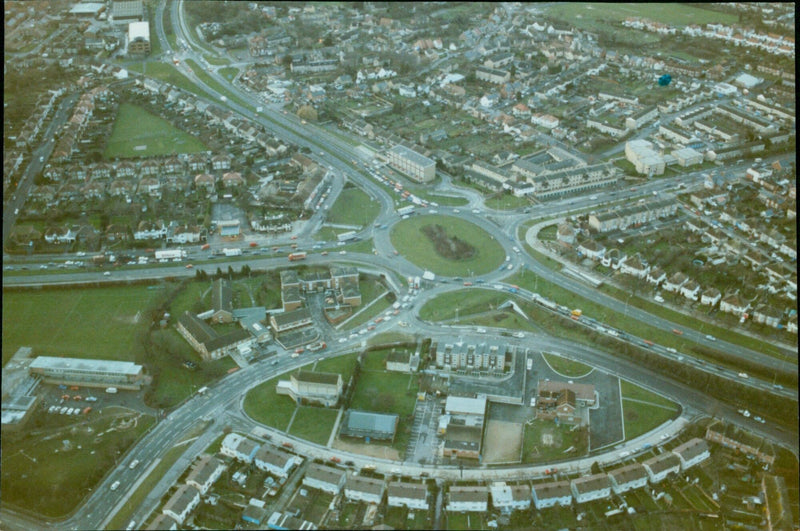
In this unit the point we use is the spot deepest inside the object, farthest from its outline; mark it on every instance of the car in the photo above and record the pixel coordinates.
(519, 335)
(710, 337)
(593, 197)
(456, 211)
(743, 375)
(342, 252)
(189, 266)
(342, 339)
(16, 211)
(133, 464)
(295, 355)
(676, 331)
(115, 485)
(107, 274)
(510, 267)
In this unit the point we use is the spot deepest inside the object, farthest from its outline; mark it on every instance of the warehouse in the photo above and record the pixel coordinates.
(366, 425)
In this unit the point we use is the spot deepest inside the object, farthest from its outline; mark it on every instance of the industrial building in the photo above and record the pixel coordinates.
(88, 373)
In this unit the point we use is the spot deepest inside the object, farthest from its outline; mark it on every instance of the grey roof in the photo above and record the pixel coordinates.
(559, 489)
(399, 489)
(628, 473)
(331, 378)
(221, 295)
(295, 316)
(365, 484)
(663, 462)
(273, 456)
(228, 339)
(468, 494)
(181, 499)
(691, 449)
(366, 423)
(85, 365)
(204, 470)
(127, 8)
(413, 156)
(325, 474)
(199, 330)
(592, 483)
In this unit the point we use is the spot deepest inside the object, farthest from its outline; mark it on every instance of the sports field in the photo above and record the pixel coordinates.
(137, 133)
(410, 240)
(583, 14)
(86, 323)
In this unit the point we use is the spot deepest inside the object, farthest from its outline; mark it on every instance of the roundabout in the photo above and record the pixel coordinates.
(446, 245)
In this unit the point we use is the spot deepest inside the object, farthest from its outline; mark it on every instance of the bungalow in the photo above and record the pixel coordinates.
(692, 452)
(710, 297)
(733, 304)
(324, 478)
(276, 461)
(675, 282)
(690, 290)
(411, 495)
(361, 488)
(627, 478)
(661, 466)
(509, 498)
(594, 487)
(205, 472)
(238, 447)
(550, 494)
(183, 502)
(472, 499)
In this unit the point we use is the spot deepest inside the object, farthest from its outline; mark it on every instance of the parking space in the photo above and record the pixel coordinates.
(424, 441)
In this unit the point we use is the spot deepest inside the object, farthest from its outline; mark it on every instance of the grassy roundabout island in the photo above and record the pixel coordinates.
(447, 246)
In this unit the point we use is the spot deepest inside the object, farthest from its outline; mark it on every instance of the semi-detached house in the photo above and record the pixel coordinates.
(205, 472)
(367, 490)
(594, 487)
(629, 477)
(275, 461)
(553, 493)
(468, 499)
(182, 503)
(661, 466)
(324, 478)
(411, 495)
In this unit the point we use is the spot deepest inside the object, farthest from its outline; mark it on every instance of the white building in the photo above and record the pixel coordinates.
(628, 477)
(509, 498)
(692, 452)
(207, 470)
(182, 503)
(594, 487)
(661, 466)
(411, 495)
(472, 499)
(417, 166)
(324, 478)
(551, 494)
(276, 461)
(641, 154)
(368, 490)
(238, 447)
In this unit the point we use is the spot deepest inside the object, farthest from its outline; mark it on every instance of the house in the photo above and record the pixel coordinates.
(674, 283)
(162, 522)
(239, 447)
(364, 489)
(183, 233)
(591, 249)
(324, 478)
(594, 487)
(566, 234)
(710, 296)
(281, 322)
(182, 503)
(221, 161)
(628, 477)
(232, 179)
(732, 436)
(221, 301)
(468, 499)
(767, 314)
(275, 461)
(661, 466)
(411, 495)
(204, 473)
(565, 401)
(656, 276)
(734, 304)
(690, 290)
(204, 181)
(509, 498)
(692, 452)
(552, 493)
(634, 266)
(59, 235)
(312, 387)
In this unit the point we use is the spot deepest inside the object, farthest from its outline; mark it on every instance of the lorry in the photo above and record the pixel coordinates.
(111, 390)
(427, 275)
(232, 252)
(170, 254)
(297, 256)
(405, 211)
(346, 236)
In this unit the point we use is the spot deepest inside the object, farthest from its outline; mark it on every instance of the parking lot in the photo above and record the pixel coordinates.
(424, 442)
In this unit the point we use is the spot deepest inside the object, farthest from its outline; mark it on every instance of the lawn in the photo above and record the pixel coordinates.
(137, 133)
(566, 367)
(479, 253)
(264, 405)
(672, 14)
(313, 424)
(228, 72)
(464, 301)
(506, 202)
(385, 392)
(353, 207)
(343, 365)
(51, 475)
(101, 323)
(563, 438)
(644, 410)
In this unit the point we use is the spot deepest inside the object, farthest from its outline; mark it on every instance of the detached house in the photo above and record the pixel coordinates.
(690, 290)
(710, 297)
(591, 249)
(238, 447)
(656, 276)
(675, 282)
(733, 304)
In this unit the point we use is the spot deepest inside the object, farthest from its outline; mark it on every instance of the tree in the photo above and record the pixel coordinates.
(230, 272)
(219, 273)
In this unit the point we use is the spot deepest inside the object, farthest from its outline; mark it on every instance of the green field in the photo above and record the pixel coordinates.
(50, 475)
(264, 405)
(313, 424)
(100, 323)
(134, 127)
(563, 438)
(353, 207)
(644, 410)
(408, 238)
(566, 367)
(465, 301)
(589, 14)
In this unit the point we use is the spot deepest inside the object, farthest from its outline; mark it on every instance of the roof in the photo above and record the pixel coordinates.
(182, 498)
(582, 391)
(295, 316)
(365, 484)
(412, 155)
(127, 8)
(196, 327)
(204, 470)
(662, 462)
(226, 340)
(591, 483)
(358, 422)
(464, 405)
(469, 494)
(691, 449)
(330, 378)
(273, 456)
(559, 489)
(398, 489)
(325, 474)
(629, 473)
(86, 8)
(221, 295)
(85, 365)
(138, 30)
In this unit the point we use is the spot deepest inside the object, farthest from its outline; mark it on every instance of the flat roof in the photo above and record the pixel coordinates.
(138, 30)
(330, 378)
(366, 421)
(49, 363)
(89, 8)
(413, 156)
